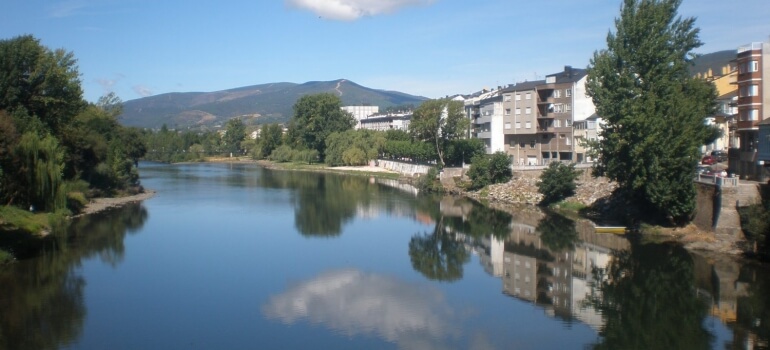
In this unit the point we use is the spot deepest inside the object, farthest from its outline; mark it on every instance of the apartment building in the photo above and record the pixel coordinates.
(485, 111)
(753, 61)
(520, 122)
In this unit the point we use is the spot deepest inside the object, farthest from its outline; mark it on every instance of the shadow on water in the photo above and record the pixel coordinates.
(41, 303)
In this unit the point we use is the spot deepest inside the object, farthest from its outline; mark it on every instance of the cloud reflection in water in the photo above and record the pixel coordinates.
(356, 303)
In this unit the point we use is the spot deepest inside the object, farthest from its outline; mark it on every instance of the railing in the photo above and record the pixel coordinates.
(717, 180)
(750, 47)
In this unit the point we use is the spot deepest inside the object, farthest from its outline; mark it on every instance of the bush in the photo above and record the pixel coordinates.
(282, 154)
(308, 156)
(5, 257)
(557, 182)
(490, 169)
(430, 182)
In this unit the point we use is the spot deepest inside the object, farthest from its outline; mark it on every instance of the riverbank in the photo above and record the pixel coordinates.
(522, 190)
(100, 204)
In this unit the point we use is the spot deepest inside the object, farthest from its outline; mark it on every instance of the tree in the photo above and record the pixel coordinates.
(487, 169)
(653, 108)
(315, 118)
(270, 137)
(38, 86)
(557, 182)
(235, 133)
(438, 122)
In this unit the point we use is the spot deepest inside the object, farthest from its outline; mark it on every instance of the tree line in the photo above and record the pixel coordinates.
(56, 149)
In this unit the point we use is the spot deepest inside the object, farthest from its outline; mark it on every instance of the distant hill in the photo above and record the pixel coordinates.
(258, 104)
(714, 61)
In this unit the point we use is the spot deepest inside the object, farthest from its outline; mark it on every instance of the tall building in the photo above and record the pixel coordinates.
(753, 61)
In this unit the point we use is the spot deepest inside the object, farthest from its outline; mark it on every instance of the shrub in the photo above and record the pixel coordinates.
(282, 154)
(430, 182)
(557, 182)
(490, 169)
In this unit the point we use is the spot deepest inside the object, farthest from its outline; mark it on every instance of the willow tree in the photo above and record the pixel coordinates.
(42, 165)
(654, 109)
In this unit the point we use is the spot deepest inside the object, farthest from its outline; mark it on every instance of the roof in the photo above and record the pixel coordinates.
(568, 75)
(764, 122)
(523, 86)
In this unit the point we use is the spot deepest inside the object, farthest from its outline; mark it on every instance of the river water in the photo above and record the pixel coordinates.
(234, 256)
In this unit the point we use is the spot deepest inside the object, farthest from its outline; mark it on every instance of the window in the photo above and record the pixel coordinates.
(568, 93)
(507, 111)
(557, 93)
(749, 67)
(507, 126)
(507, 98)
(568, 122)
(528, 110)
(749, 90)
(529, 96)
(518, 97)
(518, 111)
(750, 115)
(568, 107)
(522, 144)
(568, 141)
(518, 125)
(558, 108)
(557, 123)
(528, 125)
(532, 144)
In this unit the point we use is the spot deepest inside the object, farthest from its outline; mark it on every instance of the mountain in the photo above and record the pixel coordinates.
(257, 104)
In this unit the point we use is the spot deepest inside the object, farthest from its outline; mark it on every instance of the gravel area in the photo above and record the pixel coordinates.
(99, 204)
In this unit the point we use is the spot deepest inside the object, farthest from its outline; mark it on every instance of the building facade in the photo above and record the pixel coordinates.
(753, 62)
(361, 112)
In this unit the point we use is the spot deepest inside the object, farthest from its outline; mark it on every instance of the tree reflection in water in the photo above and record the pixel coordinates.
(439, 255)
(42, 298)
(648, 301)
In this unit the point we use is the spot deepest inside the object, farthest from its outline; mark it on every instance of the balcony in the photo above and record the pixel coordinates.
(546, 130)
(750, 47)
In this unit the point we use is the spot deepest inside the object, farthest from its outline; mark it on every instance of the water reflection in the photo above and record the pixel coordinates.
(41, 303)
(353, 303)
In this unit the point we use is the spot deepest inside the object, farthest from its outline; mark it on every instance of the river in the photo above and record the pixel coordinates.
(235, 256)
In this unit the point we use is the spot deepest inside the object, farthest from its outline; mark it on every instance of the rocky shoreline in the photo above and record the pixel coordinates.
(100, 204)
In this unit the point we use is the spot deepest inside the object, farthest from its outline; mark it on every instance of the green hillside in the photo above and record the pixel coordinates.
(265, 103)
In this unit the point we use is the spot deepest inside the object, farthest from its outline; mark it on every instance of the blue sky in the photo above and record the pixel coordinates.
(431, 48)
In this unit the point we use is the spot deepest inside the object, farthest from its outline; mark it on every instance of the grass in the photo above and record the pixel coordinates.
(5, 257)
(15, 218)
(569, 206)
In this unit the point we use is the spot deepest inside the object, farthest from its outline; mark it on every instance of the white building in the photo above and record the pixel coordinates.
(361, 112)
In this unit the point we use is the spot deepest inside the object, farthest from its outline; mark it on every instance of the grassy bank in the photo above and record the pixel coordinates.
(19, 229)
(322, 168)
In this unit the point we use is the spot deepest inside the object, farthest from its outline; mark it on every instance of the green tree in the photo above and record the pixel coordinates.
(235, 133)
(353, 147)
(315, 118)
(438, 122)
(270, 137)
(653, 107)
(487, 169)
(38, 86)
(557, 182)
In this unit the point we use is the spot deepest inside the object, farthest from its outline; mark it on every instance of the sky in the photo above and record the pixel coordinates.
(431, 48)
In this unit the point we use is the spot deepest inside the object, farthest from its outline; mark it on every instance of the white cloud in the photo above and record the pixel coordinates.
(66, 8)
(356, 303)
(350, 10)
(108, 84)
(142, 90)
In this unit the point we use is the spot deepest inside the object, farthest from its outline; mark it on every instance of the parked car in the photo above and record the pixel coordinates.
(708, 160)
(719, 156)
